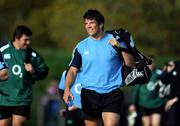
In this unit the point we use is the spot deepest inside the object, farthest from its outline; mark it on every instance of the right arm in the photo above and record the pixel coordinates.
(3, 74)
(71, 74)
(70, 79)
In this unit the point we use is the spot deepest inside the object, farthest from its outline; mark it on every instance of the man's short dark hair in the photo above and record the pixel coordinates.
(95, 15)
(20, 30)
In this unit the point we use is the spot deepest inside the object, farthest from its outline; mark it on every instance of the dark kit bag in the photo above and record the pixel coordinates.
(141, 74)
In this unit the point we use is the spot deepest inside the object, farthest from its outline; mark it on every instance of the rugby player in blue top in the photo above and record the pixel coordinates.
(100, 67)
(73, 112)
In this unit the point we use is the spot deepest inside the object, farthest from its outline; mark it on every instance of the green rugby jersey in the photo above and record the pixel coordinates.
(17, 90)
(147, 95)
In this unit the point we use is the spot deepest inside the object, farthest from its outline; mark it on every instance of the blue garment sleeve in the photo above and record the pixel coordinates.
(3, 65)
(76, 60)
(62, 81)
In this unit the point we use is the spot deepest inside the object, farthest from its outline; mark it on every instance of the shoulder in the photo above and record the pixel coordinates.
(33, 52)
(158, 71)
(108, 35)
(83, 42)
(4, 47)
(122, 35)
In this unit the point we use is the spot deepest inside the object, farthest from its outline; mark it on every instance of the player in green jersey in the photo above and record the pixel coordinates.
(25, 66)
(147, 101)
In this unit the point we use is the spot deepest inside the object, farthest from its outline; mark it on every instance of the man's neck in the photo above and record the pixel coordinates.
(98, 36)
(16, 46)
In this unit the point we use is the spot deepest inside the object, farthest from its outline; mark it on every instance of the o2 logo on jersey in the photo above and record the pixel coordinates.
(16, 70)
(77, 88)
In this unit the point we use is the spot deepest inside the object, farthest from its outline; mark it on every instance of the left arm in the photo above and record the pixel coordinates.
(127, 57)
(37, 67)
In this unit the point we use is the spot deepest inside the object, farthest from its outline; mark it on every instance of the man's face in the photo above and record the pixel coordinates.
(23, 42)
(92, 27)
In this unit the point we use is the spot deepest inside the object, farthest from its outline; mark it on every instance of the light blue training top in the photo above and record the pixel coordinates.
(75, 89)
(99, 63)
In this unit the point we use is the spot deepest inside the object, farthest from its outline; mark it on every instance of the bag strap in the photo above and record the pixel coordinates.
(28, 55)
(125, 36)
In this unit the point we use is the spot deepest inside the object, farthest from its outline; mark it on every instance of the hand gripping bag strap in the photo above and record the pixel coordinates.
(141, 73)
(125, 36)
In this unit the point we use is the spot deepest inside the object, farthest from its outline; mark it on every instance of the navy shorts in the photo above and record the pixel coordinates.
(93, 103)
(149, 111)
(8, 111)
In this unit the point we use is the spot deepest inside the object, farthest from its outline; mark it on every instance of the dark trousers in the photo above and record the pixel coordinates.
(173, 116)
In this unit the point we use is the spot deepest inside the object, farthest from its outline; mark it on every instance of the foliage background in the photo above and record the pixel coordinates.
(58, 25)
(155, 24)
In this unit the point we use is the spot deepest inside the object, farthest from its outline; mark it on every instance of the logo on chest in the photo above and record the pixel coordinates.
(16, 70)
(7, 56)
(86, 52)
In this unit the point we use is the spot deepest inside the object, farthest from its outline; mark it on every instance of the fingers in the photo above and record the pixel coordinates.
(66, 95)
(167, 107)
(29, 67)
(74, 107)
(65, 98)
(114, 42)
